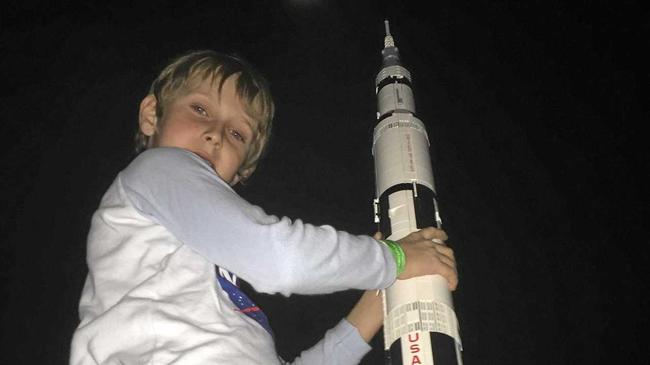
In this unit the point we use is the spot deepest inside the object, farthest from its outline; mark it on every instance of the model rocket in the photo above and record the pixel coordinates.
(420, 325)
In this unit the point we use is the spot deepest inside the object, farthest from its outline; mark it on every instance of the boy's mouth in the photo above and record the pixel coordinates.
(205, 157)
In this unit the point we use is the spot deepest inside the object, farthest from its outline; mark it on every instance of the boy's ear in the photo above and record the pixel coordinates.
(147, 116)
(235, 180)
(242, 176)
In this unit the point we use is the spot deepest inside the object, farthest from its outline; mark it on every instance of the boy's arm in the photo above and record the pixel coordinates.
(341, 345)
(181, 192)
(367, 314)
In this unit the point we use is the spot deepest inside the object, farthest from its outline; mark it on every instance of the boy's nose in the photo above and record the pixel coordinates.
(213, 137)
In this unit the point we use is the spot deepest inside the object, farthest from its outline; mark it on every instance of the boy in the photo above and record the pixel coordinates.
(153, 296)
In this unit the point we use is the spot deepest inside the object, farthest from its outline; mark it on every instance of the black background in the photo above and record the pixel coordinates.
(534, 109)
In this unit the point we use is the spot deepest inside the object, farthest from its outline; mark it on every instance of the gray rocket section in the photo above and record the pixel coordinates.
(420, 325)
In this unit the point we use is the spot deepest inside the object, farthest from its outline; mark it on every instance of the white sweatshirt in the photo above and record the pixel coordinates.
(151, 295)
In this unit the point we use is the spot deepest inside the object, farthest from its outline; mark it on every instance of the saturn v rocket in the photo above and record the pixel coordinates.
(420, 324)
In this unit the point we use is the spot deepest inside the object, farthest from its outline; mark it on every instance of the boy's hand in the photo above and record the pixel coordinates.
(427, 254)
(423, 257)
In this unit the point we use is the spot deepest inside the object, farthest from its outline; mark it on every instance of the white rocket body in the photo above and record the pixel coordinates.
(420, 325)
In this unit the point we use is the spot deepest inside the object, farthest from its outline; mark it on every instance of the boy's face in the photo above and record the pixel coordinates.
(211, 124)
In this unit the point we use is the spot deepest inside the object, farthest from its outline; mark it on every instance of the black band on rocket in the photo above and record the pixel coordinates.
(391, 80)
(423, 203)
(392, 112)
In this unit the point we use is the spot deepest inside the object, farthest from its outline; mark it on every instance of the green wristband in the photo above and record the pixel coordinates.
(398, 254)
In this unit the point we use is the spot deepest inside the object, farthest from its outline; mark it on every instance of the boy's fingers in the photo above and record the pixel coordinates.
(447, 266)
(431, 233)
(445, 250)
(445, 255)
(452, 286)
(427, 233)
(440, 234)
(447, 261)
(449, 273)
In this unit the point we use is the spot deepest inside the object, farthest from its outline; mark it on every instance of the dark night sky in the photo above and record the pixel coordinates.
(534, 112)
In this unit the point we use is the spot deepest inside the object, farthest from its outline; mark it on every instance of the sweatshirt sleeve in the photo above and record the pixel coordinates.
(342, 345)
(180, 191)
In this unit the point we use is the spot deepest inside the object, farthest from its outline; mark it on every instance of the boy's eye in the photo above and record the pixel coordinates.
(199, 109)
(237, 135)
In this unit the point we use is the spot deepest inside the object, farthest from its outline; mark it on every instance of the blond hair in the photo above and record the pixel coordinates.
(190, 69)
